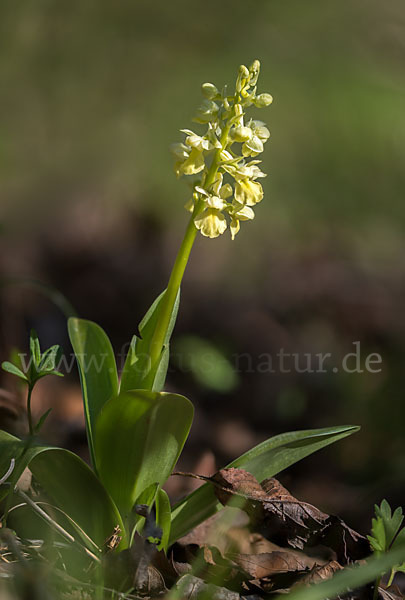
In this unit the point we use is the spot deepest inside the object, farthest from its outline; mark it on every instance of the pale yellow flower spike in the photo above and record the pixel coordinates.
(225, 150)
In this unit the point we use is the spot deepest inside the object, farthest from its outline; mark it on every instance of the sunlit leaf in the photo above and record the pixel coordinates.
(97, 369)
(139, 436)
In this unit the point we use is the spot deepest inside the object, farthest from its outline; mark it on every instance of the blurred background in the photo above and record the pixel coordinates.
(93, 93)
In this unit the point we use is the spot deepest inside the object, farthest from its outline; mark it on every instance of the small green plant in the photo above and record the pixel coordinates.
(135, 430)
(40, 365)
(387, 534)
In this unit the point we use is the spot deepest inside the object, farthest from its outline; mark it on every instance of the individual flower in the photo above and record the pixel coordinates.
(199, 142)
(260, 130)
(241, 170)
(241, 133)
(193, 164)
(239, 213)
(253, 146)
(211, 222)
(248, 192)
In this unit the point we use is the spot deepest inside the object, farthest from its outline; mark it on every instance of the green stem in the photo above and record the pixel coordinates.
(179, 267)
(29, 415)
(391, 579)
(376, 586)
(17, 471)
(170, 296)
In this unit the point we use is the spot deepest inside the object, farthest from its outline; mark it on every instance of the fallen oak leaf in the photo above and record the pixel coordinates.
(285, 519)
(301, 524)
(237, 482)
(267, 564)
(319, 573)
(286, 506)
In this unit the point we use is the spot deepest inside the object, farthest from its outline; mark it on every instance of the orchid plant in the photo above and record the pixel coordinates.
(136, 430)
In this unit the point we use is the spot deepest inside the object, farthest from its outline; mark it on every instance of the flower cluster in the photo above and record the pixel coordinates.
(224, 157)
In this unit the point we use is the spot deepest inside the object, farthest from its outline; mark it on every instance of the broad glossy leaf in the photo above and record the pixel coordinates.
(67, 481)
(265, 460)
(137, 364)
(139, 436)
(97, 369)
(350, 578)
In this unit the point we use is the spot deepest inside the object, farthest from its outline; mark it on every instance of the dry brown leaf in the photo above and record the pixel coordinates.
(319, 573)
(285, 519)
(267, 564)
(391, 593)
(193, 587)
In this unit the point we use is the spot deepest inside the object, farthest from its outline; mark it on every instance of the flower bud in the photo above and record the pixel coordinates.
(252, 147)
(243, 72)
(238, 110)
(243, 75)
(209, 90)
(242, 134)
(207, 112)
(254, 71)
(259, 128)
(263, 100)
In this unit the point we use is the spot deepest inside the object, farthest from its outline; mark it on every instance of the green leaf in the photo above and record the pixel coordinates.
(35, 348)
(163, 517)
(97, 369)
(391, 522)
(265, 460)
(69, 483)
(10, 368)
(400, 539)
(350, 578)
(137, 364)
(146, 497)
(49, 359)
(42, 420)
(153, 495)
(138, 439)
